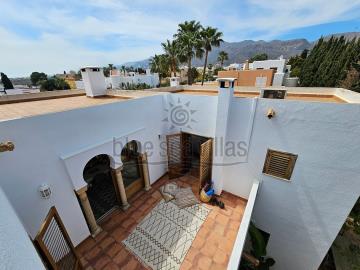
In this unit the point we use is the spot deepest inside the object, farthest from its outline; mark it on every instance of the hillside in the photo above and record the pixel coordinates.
(240, 51)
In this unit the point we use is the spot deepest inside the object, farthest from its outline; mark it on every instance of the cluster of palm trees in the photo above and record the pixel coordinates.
(191, 40)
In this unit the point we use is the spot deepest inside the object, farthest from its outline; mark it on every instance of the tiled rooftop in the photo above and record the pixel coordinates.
(211, 248)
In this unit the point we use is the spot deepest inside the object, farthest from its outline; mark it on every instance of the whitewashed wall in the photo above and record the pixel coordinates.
(204, 117)
(41, 141)
(237, 180)
(304, 215)
(152, 80)
(16, 250)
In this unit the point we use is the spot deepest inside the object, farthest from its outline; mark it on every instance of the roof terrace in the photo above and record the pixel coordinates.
(26, 105)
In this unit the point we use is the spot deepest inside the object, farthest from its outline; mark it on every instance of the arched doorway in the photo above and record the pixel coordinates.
(101, 189)
(132, 171)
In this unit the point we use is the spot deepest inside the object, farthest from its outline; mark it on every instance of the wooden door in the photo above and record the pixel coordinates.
(205, 163)
(54, 244)
(174, 153)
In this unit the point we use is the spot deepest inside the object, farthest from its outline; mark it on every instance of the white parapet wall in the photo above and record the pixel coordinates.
(120, 81)
(235, 257)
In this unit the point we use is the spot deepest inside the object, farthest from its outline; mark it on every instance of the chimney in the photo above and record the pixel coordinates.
(174, 81)
(94, 81)
(225, 97)
(246, 65)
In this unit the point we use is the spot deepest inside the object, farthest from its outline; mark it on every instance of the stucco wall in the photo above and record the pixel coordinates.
(16, 250)
(202, 121)
(42, 141)
(304, 215)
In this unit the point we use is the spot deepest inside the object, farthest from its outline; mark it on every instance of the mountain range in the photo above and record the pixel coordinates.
(240, 51)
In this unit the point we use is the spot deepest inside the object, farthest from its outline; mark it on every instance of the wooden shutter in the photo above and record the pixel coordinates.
(279, 164)
(186, 147)
(205, 163)
(174, 152)
(55, 245)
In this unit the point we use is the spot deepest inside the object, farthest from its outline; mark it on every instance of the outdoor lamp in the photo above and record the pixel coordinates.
(45, 191)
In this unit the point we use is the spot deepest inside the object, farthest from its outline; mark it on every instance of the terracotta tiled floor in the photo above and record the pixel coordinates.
(210, 249)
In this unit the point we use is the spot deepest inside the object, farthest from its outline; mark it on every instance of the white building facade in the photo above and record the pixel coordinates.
(302, 216)
(279, 65)
(123, 80)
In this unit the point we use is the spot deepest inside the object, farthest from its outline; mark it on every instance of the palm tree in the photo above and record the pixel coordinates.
(171, 50)
(210, 37)
(160, 64)
(223, 56)
(189, 42)
(123, 69)
(110, 68)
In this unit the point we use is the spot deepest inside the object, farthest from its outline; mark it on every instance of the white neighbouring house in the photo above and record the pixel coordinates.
(121, 80)
(302, 214)
(282, 70)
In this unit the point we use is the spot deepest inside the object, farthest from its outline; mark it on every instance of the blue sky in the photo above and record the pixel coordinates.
(53, 35)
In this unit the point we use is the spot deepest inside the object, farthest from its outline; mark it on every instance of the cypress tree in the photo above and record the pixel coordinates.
(6, 81)
(329, 62)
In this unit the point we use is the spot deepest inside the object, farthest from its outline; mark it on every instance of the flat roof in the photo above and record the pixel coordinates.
(44, 106)
(289, 96)
(26, 105)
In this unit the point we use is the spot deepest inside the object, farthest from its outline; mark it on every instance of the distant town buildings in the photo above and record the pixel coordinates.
(259, 73)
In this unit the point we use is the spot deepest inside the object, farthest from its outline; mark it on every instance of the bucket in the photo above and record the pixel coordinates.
(204, 197)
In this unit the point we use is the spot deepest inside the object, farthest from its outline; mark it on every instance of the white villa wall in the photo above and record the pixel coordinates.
(204, 118)
(236, 180)
(305, 214)
(16, 250)
(267, 64)
(42, 141)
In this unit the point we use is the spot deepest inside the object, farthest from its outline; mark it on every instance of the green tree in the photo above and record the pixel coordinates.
(160, 64)
(37, 77)
(330, 63)
(54, 83)
(189, 41)
(172, 52)
(210, 37)
(6, 81)
(223, 56)
(195, 73)
(259, 57)
(123, 68)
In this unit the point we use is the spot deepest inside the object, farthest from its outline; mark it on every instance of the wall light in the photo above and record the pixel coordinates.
(45, 191)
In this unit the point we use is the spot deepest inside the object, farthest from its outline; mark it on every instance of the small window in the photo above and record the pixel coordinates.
(279, 164)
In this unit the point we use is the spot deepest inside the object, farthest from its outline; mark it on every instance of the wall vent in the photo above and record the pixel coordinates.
(273, 93)
(279, 164)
